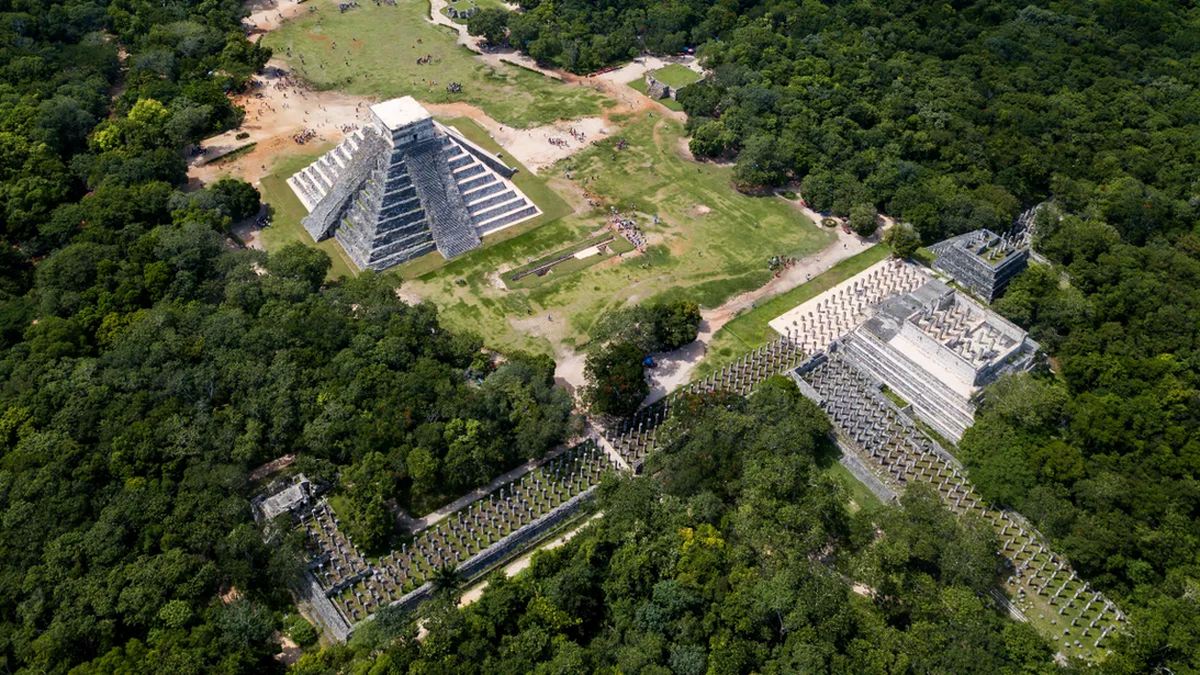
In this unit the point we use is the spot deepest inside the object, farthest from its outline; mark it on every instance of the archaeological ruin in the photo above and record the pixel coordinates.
(936, 347)
(982, 261)
(405, 185)
(933, 346)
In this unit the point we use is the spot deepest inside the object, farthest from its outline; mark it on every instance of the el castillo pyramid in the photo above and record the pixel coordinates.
(403, 185)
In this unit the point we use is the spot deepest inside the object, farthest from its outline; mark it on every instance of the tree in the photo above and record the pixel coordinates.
(708, 140)
(902, 239)
(760, 163)
(655, 327)
(675, 323)
(616, 383)
(301, 263)
(864, 219)
(491, 23)
(236, 197)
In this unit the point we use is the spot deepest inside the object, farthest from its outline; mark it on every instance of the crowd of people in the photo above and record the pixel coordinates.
(778, 264)
(627, 227)
(344, 6)
(304, 135)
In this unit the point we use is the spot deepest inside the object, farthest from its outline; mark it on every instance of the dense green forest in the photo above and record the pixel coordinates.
(732, 557)
(1105, 457)
(146, 366)
(949, 115)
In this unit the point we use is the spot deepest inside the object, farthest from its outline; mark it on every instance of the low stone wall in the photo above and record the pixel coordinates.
(322, 609)
(656, 89)
(482, 562)
(856, 466)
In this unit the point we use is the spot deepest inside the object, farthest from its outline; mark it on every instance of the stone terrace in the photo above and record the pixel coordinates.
(819, 321)
(359, 586)
(1079, 618)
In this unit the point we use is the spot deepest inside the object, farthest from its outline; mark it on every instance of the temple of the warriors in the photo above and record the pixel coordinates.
(931, 345)
(404, 185)
(982, 261)
(936, 347)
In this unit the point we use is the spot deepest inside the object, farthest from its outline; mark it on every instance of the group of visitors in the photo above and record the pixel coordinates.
(627, 227)
(778, 264)
(304, 136)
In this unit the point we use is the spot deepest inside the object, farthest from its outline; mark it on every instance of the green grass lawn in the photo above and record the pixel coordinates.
(287, 212)
(708, 246)
(376, 55)
(618, 245)
(860, 496)
(676, 76)
(671, 104)
(751, 329)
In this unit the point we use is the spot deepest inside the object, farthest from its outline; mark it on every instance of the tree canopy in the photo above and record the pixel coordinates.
(732, 554)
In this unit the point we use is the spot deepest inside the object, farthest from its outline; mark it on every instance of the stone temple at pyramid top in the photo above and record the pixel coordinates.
(399, 112)
(404, 185)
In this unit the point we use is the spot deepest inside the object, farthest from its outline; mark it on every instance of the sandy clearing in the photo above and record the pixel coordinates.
(532, 147)
(267, 15)
(276, 110)
(407, 295)
(644, 64)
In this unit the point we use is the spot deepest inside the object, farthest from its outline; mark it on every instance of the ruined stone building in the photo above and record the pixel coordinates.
(935, 348)
(981, 261)
(404, 185)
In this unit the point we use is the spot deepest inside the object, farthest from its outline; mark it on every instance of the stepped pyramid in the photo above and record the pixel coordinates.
(403, 185)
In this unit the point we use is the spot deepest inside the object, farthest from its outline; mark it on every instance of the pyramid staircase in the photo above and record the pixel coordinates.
(387, 202)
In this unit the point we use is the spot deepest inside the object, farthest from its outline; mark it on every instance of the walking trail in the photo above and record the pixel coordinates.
(492, 56)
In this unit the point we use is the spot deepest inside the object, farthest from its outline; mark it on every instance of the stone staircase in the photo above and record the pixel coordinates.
(492, 202)
(314, 182)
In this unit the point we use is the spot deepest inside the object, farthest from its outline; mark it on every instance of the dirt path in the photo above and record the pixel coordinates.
(490, 56)
(517, 566)
(675, 369)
